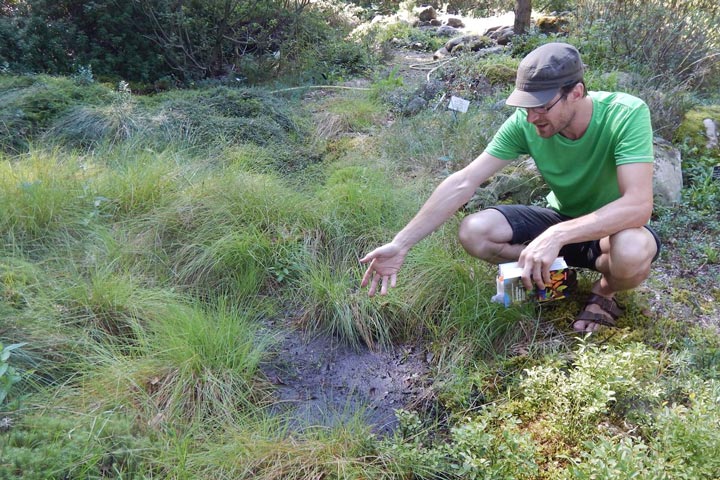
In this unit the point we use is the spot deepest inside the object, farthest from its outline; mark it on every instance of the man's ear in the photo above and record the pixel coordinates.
(578, 91)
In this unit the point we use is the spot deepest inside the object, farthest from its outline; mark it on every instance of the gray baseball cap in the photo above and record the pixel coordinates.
(543, 72)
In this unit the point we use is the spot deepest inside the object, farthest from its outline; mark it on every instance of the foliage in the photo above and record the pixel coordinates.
(107, 37)
(401, 34)
(692, 132)
(37, 201)
(30, 105)
(149, 268)
(477, 79)
(672, 45)
(671, 447)
(603, 378)
(9, 376)
(166, 42)
(65, 114)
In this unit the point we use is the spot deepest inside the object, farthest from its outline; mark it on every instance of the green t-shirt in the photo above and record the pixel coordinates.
(582, 173)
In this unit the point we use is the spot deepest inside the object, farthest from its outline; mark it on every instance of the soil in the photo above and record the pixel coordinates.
(319, 382)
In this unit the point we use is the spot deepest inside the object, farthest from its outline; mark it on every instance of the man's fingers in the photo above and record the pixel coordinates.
(373, 286)
(393, 280)
(368, 273)
(384, 288)
(546, 277)
(538, 275)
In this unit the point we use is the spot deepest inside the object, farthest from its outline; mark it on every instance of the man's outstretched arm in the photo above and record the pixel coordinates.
(454, 192)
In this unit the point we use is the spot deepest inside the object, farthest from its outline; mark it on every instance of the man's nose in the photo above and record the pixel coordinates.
(532, 116)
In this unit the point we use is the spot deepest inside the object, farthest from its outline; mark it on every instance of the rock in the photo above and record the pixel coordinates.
(455, 22)
(552, 24)
(667, 176)
(471, 43)
(710, 133)
(441, 53)
(501, 35)
(414, 106)
(447, 31)
(693, 131)
(430, 90)
(425, 13)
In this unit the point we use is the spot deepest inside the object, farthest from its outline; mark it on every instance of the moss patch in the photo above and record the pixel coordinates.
(692, 130)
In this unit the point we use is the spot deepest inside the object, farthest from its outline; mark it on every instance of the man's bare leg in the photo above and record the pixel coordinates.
(486, 235)
(624, 264)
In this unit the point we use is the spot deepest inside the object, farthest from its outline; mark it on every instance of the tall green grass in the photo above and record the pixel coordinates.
(43, 194)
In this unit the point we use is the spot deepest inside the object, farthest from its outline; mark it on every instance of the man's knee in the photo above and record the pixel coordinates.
(482, 233)
(630, 253)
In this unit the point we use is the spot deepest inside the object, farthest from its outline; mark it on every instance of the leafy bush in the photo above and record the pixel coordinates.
(487, 446)
(671, 45)
(675, 443)
(9, 376)
(574, 401)
(56, 37)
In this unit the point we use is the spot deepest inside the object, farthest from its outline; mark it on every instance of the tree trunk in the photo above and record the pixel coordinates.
(522, 16)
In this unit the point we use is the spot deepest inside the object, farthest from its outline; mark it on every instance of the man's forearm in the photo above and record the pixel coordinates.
(454, 192)
(619, 215)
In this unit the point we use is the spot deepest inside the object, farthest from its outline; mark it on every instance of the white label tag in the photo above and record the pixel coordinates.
(458, 104)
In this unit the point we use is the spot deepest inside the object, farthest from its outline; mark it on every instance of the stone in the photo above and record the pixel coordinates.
(455, 22)
(414, 106)
(667, 175)
(426, 13)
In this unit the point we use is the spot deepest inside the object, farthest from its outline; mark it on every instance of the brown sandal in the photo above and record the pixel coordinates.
(609, 306)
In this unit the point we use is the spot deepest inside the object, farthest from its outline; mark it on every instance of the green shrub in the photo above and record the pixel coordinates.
(92, 126)
(401, 35)
(487, 446)
(362, 207)
(9, 376)
(237, 263)
(207, 358)
(676, 443)
(132, 184)
(670, 45)
(55, 37)
(113, 304)
(603, 378)
(216, 115)
(327, 291)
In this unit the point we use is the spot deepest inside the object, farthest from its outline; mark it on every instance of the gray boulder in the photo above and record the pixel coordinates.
(667, 177)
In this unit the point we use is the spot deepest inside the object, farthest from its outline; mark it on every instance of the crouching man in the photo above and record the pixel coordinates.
(595, 152)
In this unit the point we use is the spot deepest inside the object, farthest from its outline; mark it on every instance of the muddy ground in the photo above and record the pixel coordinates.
(320, 382)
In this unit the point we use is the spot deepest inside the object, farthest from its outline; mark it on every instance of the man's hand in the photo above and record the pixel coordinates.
(536, 259)
(385, 262)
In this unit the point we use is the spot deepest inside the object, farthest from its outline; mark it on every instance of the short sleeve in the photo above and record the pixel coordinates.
(509, 141)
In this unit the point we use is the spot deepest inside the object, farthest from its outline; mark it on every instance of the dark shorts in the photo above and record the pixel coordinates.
(527, 222)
